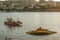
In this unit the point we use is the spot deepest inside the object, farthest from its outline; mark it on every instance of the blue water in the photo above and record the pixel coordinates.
(31, 21)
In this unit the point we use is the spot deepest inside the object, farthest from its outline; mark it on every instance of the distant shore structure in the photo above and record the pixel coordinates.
(20, 5)
(34, 2)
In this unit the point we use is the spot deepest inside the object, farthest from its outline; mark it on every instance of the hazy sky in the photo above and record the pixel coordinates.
(37, 0)
(54, 0)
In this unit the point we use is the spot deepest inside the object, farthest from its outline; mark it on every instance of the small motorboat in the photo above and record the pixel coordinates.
(41, 31)
(12, 23)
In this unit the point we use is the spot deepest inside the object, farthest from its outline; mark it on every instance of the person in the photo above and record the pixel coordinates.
(9, 38)
(6, 38)
(38, 29)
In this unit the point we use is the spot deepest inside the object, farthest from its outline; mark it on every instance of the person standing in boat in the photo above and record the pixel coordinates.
(39, 29)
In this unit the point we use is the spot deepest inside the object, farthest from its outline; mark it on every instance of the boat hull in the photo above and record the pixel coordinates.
(40, 33)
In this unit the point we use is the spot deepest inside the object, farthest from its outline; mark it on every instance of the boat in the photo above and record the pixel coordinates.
(12, 23)
(41, 31)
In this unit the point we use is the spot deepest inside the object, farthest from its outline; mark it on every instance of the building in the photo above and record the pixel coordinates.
(31, 2)
(57, 4)
(51, 3)
(42, 1)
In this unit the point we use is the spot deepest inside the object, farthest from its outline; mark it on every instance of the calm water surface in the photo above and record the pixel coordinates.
(31, 21)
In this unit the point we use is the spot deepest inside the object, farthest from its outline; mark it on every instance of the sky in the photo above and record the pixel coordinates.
(37, 0)
(55, 0)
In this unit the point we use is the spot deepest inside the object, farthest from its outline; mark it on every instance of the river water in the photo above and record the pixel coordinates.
(31, 21)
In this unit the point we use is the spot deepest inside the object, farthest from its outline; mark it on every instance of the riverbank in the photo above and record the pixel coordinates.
(33, 10)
